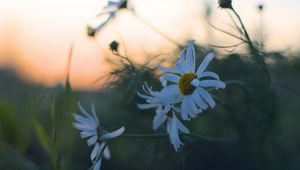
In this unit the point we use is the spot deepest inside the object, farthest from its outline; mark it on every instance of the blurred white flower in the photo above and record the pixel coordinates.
(111, 8)
(184, 79)
(164, 102)
(174, 126)
(90, 128)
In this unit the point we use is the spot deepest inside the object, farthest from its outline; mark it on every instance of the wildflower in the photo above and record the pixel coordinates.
(191, 84)
(111, 8)
(225, 3)
(165, 112)
(174, 126)
(90, 128)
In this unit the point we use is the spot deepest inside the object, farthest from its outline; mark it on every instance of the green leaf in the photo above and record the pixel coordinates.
(42, 136)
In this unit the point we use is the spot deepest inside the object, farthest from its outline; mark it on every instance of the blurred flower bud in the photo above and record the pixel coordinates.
(91, 31)
(123, 5)
(114, 45)
(260, 7)
(225, 3)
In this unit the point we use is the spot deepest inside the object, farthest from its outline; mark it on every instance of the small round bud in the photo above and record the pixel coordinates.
(260, 7)
(114, 45)
(123, 5)
(225, 3)
(91, 31)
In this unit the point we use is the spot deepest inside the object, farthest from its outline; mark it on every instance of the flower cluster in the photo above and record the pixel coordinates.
(90, 128)
(184, 95)
(184, 92)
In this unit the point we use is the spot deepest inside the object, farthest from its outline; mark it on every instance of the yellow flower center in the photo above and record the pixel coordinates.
(184, 83)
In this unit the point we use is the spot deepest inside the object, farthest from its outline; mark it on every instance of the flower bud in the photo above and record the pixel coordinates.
(91, 31)
(114, 45)
(225, 3)
(260, 7)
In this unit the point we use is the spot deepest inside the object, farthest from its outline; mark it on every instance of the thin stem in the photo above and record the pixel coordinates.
(258, 57)
(158, 31)
(235, 23)
(228, 33)
(237, 82)
(227, 46)
(69, 62)
(162, 135)
(123, 42)
(157, 135)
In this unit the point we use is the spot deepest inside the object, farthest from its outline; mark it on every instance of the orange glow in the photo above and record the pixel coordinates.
(37, 35)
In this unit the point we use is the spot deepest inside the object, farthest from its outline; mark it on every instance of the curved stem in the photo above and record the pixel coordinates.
(237, 82)
(258, 57)
(228, 33)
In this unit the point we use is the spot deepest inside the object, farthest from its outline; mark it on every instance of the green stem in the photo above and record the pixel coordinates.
(162, 135)
(237, 82)
(157, 135)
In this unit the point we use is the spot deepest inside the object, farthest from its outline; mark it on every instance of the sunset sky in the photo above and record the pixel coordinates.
(36, 35)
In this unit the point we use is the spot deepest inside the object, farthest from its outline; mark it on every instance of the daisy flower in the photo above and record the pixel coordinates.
(190, 83)
(164, 102)
(111, 9)
(90, 128)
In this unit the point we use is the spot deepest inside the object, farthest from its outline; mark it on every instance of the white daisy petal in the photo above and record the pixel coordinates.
(207, 97)
(83, 120)
(209, 74)
(168, 70)
(174, 135)
(93, 108)
(111, 15)
(171, 89)
(146, 106)
(198, 100)
(181, 64)
(103, 146)
(159, 118)
(83, 127)
(82, 110)
(193, 108)
(205, 63)
(143, 96)
(184, 109)
(106, 153)
(97, 165)
(112, 134)
(169, 77)
(191, 56)
(92, 140)
(95, 151)
(195, 82)
(212, 83)
(181, 127)
(88, 133)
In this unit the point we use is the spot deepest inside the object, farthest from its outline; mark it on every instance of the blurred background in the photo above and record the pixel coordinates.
(48, 62)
